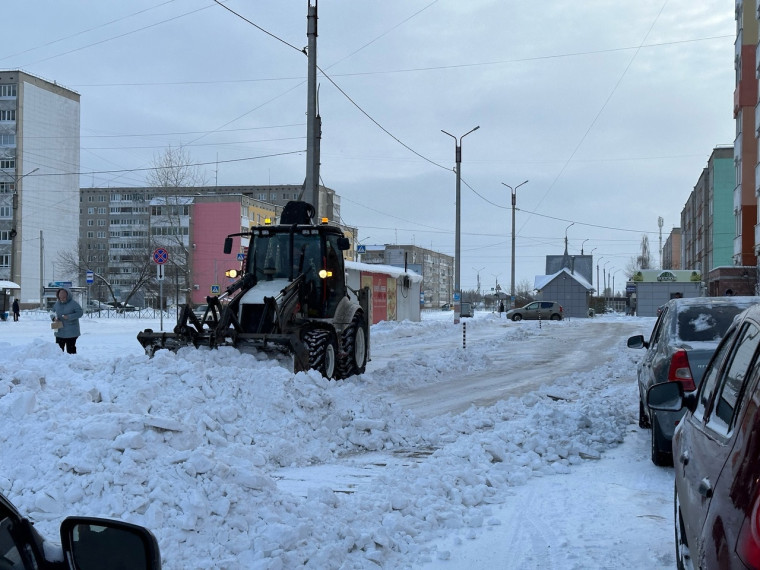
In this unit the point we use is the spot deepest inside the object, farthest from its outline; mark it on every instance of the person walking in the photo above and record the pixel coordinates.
(16, 309)
(67, 314)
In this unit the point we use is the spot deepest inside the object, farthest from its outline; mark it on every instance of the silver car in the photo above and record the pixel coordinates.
(550, 310)
(682, 342)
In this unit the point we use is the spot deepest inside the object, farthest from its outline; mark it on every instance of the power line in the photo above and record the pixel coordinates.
(190, 165)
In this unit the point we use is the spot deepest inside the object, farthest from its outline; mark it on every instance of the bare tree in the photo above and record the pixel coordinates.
(79, 263)
(644, 261)
(172, 175)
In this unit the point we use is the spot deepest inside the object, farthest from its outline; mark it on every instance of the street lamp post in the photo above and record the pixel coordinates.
(604, 276)
(15, 274)
(477, 271)
(582, 244)
(513, 192)
(457, 260)
(567, 228)
(597, 275)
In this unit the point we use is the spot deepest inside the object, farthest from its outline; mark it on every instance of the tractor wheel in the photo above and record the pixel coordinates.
(353, 358)
(323, 351)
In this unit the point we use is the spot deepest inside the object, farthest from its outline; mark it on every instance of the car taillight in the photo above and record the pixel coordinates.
(560, 308)
(748, 544)
(680, 371)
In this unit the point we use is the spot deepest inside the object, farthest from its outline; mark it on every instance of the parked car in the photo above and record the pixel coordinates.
(682, 342)
(87, 543)
(121, 307)
(716, 447)
(537, 310)
(446, 307)
(466, 310)
(96, 306)
(200, 310)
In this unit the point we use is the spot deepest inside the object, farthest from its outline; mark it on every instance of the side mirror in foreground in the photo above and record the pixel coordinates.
(98, 544)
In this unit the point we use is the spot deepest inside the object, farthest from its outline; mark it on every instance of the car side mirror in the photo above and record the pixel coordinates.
(666, 397)
(637, 342)
(99, 544)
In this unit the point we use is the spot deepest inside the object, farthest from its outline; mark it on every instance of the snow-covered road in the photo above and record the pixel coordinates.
(520, 451)
(511, 367)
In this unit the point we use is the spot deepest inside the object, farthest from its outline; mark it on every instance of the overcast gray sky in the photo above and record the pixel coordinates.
(610, 109)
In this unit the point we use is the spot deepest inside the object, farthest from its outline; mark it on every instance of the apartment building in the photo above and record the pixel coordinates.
(707, 231)
(745, 204)
(39, 181)
(671, 250)
(436, 269)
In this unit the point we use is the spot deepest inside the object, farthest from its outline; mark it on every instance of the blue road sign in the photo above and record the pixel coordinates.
(90, 277)
(160, 255)
(240, 256)
(215, 289)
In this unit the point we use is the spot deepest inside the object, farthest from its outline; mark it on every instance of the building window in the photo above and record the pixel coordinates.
(90, 223)
(7, 187)
(8, 140)
(90, 234)
(5, 211)
(101, 223)
(7, 163)
(8, 90)
(5, 235)
(5, 260)
(91, 211)
(7, 114)
(102, 211)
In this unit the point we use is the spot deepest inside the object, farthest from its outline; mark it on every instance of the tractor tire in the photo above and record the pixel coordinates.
(323, 351)
(352, 359)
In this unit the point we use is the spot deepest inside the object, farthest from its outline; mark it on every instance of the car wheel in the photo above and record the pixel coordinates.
(683, 557)
(517, 317)
(556, 317)
(660, 457)
(643, 419)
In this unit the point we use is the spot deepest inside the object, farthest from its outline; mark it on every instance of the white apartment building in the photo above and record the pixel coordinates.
(39, 181)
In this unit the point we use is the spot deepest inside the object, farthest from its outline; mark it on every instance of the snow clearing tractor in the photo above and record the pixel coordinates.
(291, 294)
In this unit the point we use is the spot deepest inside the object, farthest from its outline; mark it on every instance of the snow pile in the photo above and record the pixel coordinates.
(233, 461)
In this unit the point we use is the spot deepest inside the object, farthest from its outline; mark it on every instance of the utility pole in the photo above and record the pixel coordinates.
(457, 260)
(313, 120)
(513, 192)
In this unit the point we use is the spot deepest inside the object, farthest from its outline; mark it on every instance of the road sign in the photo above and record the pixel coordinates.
(160, 272)
(240, 256)
(160, 256)
(361, 249)
(215, 289)
(90, 277)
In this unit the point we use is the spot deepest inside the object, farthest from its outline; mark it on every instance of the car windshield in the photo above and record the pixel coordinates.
(706, 323)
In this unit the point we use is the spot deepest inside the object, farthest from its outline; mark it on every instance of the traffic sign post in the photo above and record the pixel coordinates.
(160, 256)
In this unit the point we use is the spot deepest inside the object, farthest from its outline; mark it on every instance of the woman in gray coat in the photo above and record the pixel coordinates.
(67, 312)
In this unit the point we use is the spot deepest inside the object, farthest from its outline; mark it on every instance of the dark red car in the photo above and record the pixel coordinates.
(716, 454)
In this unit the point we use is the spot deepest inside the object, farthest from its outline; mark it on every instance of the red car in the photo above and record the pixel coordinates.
(716, 454)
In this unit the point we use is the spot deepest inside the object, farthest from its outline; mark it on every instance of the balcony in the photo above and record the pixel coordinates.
(757, 236)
